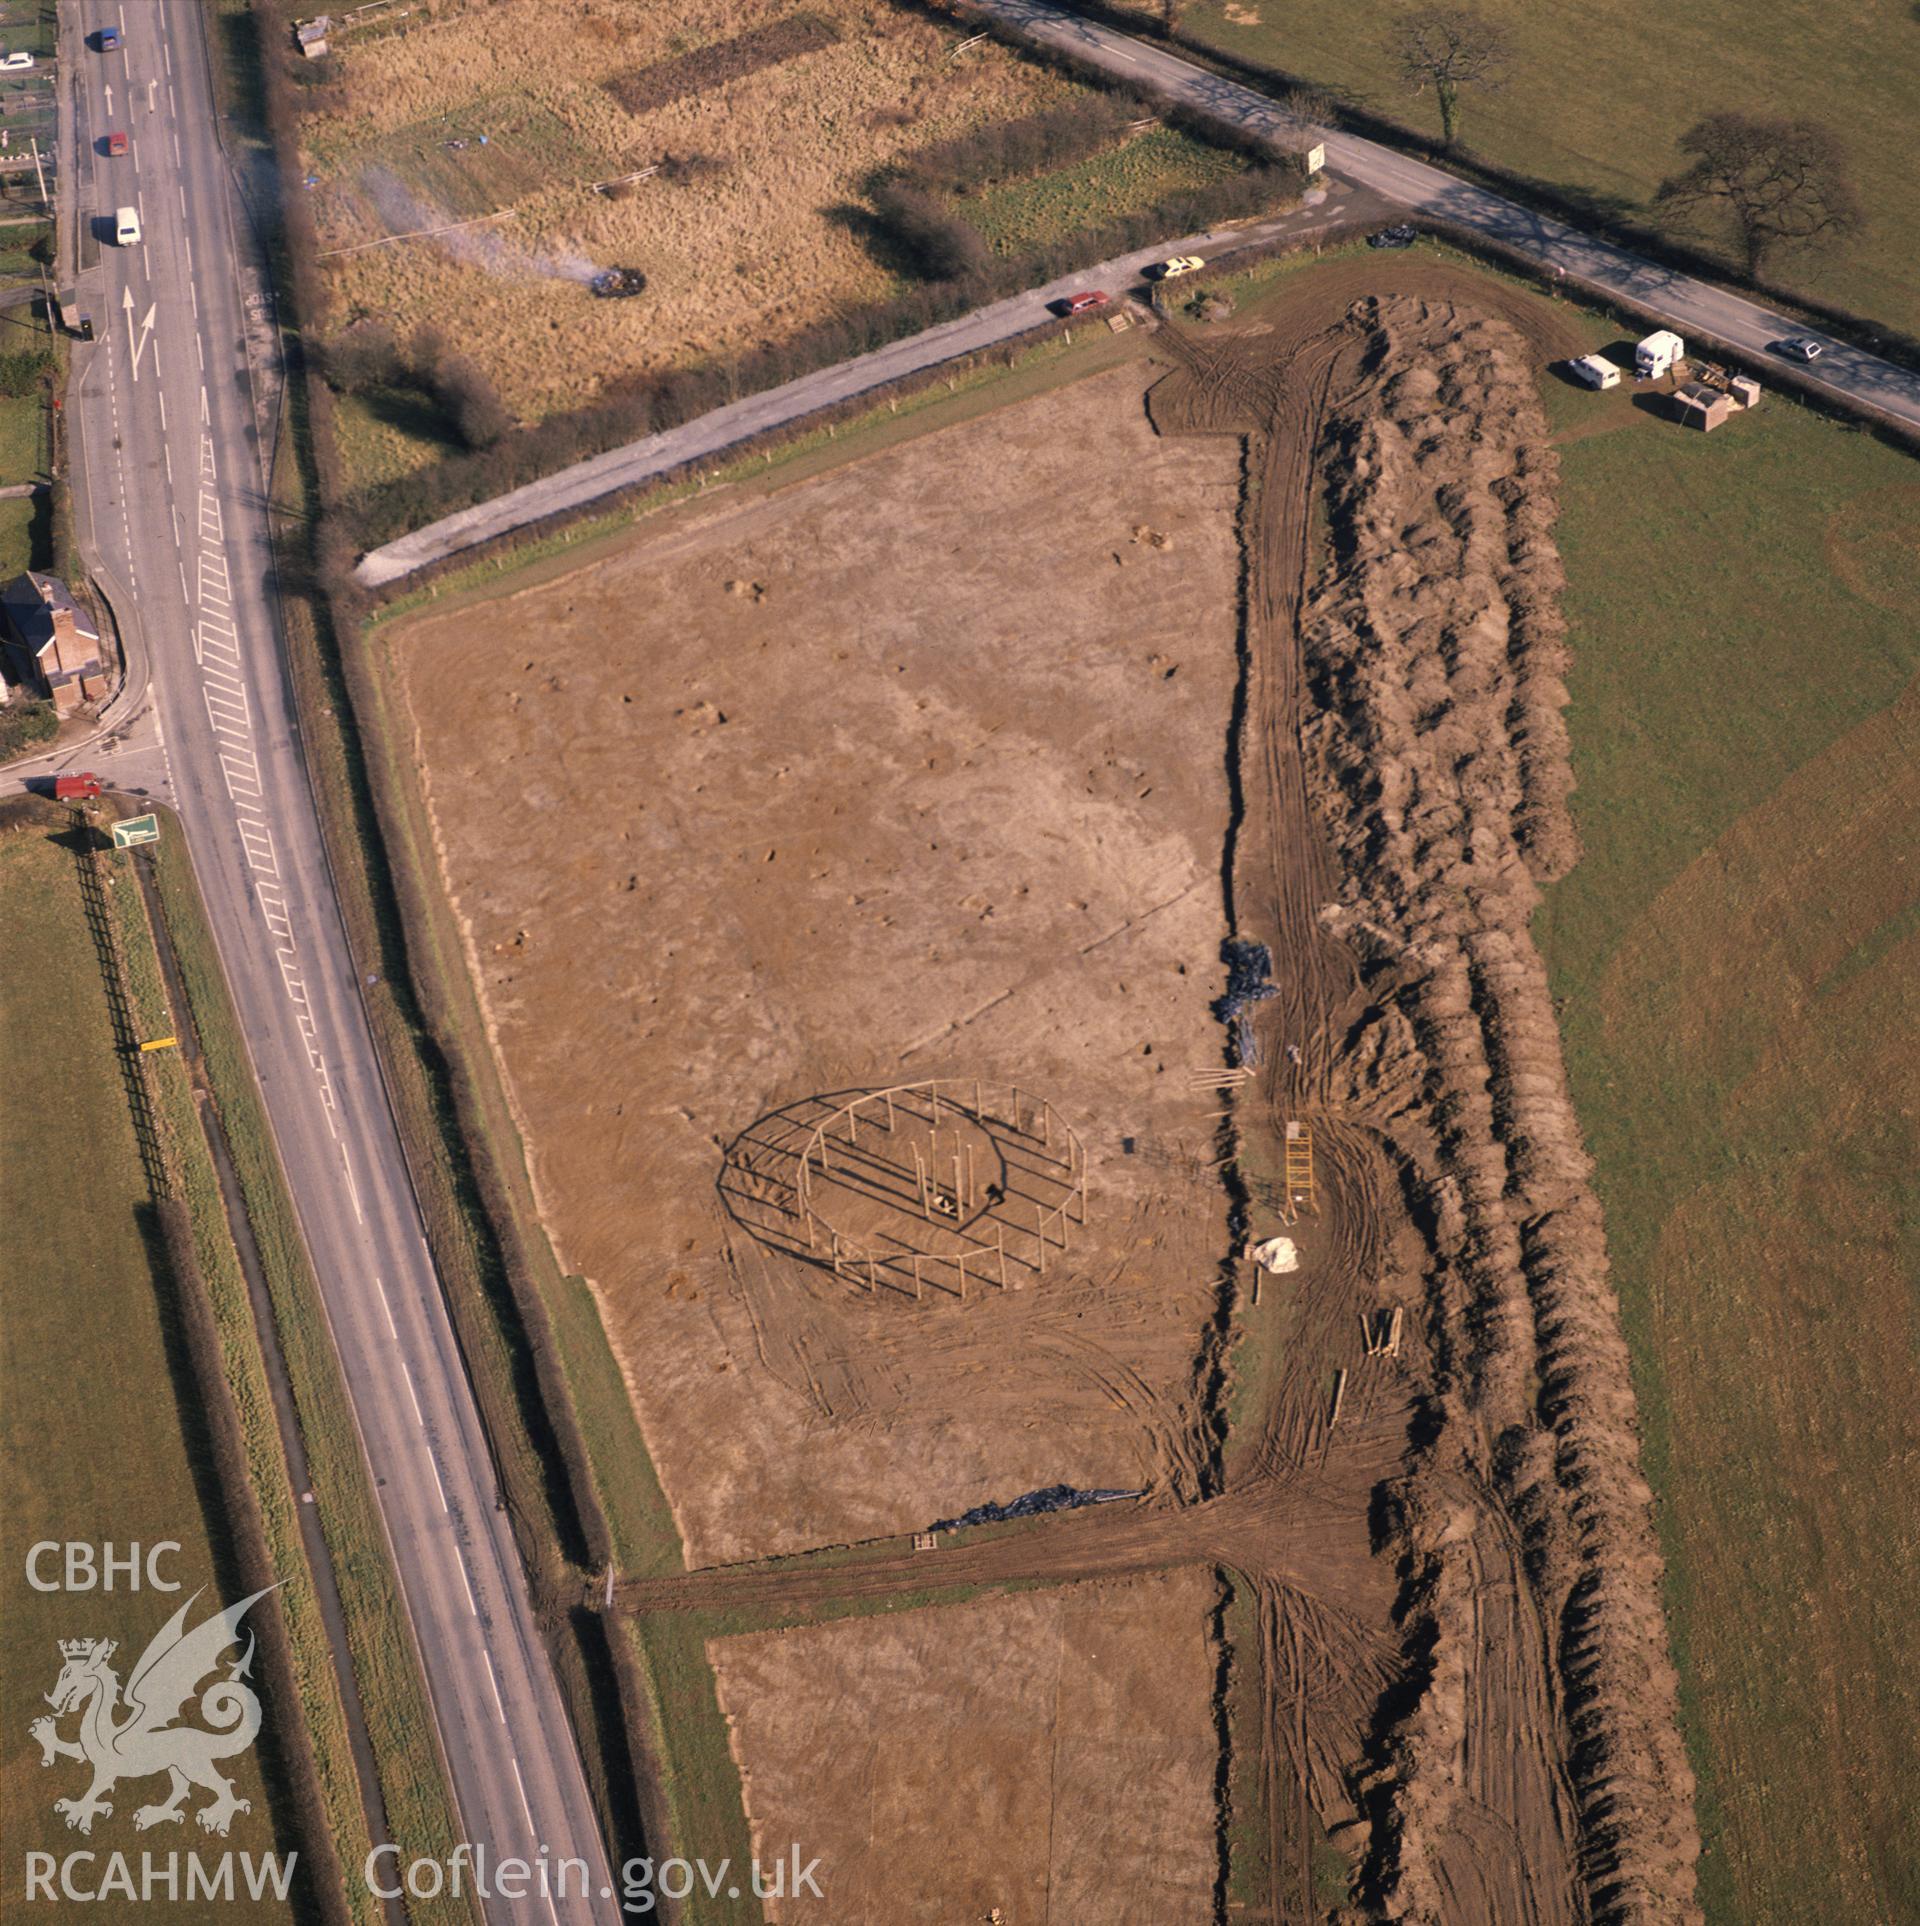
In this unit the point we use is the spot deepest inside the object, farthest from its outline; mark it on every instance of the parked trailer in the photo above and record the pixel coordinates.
(81, 788)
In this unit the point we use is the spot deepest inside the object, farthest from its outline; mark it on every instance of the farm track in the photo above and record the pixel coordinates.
(1444, 1610)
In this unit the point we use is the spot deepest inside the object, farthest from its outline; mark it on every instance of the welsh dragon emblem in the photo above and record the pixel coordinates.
(137, 1736)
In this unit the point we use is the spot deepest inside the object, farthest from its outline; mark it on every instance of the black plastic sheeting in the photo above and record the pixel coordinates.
(1249, 982)
(1032, 1504)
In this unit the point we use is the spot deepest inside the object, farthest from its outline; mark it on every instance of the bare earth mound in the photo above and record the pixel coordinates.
(799, 796)
(1435, 649)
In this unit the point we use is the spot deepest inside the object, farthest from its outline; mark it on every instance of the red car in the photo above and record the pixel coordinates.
(116, 143)
(1081, 303)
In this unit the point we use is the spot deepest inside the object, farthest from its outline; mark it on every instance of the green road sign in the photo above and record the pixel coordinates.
(135, 831)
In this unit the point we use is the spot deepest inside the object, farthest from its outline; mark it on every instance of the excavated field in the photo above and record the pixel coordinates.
(707, 809)
(790, 797)
(879, 1745)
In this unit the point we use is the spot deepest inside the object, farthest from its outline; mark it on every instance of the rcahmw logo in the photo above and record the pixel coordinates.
(185, 1707)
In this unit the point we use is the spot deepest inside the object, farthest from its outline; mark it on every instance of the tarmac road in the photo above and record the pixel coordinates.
(169, 504)
(1690, 306)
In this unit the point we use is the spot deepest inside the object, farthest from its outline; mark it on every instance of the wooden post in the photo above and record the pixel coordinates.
(889, 1113)
(1000, 1240)
(1017, 1131)
(1339, 1398)
(836, 1253)
(959, 1205)
(1046, 1126)
(920, 1171)
(933, 1092)
(972, 1187)
(916, 1277)
(826, 1169)
(873, 1281)
(976, 1099)
(1040, 1236)
(961, 1260)
(853, 1123)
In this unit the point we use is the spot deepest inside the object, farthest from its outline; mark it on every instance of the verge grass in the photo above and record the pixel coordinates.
(392, 1695)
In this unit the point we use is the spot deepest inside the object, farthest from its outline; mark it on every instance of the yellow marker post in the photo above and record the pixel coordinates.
(161, 1043)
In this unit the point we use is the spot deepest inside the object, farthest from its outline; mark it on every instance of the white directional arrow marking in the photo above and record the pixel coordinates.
(151, 85)
(109, 103)
(146, 328)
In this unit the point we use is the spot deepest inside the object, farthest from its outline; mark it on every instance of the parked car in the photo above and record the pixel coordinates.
(109, 39)
(1799, 348)
(1178, 264)
(15, 63)
(1594, 371)
(1403, 235)
(116, 143)
(1081, 303)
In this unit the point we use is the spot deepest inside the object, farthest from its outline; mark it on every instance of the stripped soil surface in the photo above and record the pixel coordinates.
(1461, 1653)
(1462, 1647)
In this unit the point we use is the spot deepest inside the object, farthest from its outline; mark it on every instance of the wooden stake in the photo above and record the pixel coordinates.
(1393, 1333)
(853, 1125)
(961, 1260)
(873, 1281)
(920, 1171)
(972, 1187)
(1000, 1242)
(889, 1113)
(916, 1277)
(1339, 1397)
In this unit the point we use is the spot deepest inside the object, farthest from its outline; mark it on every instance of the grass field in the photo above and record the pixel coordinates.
(1126, 179)
(1596, 96)
(758, 240)
(1738, 954)
(99, 1437)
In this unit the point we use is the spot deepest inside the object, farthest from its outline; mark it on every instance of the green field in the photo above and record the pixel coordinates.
(99, 1437)
(1738, 952)
(1596, 96)
(1128, 179)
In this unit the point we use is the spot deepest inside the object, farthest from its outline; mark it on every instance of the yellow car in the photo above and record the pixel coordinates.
(1180, 264)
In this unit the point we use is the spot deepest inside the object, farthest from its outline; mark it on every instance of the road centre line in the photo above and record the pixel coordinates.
(388, 1308)
(353, 1189)
(493, 1678)
(406, 1371)
(460, 1560)
(433, 1465)
(522, 1784)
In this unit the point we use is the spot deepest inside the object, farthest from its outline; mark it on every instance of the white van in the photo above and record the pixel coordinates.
(1594, 371)
(126, 227)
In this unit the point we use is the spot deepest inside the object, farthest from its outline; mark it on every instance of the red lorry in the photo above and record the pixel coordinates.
(81, 788)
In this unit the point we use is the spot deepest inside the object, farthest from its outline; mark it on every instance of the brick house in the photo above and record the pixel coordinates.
(53, 649)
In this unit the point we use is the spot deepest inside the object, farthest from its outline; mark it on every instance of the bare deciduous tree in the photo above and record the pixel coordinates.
(1777, 181)
(1446, 51)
